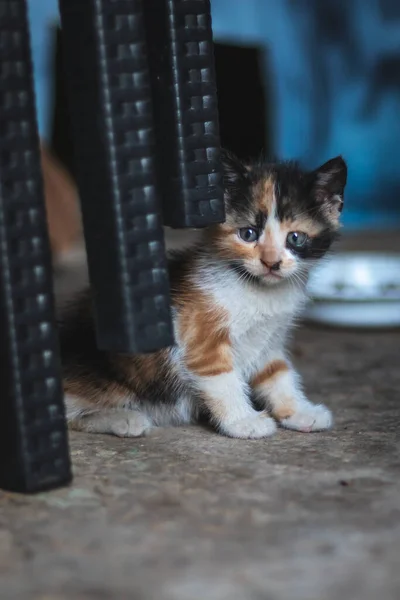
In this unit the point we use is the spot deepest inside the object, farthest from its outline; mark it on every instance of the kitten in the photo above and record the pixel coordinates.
(235, 295)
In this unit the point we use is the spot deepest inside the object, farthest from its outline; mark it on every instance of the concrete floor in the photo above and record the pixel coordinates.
(186, 514)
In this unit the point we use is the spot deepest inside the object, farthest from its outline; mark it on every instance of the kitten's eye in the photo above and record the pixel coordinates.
(296, 239)
(248, 234)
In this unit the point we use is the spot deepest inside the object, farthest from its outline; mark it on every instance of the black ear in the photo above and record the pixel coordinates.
(329, 181)
(234, 170)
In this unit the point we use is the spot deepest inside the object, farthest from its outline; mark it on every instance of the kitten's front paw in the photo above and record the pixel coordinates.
(309, 417)
(254, 426)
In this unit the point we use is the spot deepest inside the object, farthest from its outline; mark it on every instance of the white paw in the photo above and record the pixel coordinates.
(309, 417)
(133, 425)
(257, 425)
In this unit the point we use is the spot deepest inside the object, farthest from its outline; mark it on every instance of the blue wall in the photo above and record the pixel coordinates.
(335, 71)
(42, 14)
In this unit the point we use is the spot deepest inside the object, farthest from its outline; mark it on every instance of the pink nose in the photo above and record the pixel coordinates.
(274, 266)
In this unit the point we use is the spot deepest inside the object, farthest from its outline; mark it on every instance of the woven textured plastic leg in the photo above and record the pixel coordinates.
(33, 435)
(111, 110)
(185, 102)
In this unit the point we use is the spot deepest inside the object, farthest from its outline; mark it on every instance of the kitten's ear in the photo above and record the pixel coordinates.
(329, 182)
(234, 170)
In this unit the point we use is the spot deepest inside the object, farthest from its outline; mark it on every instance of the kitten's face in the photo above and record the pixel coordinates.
(278, 217)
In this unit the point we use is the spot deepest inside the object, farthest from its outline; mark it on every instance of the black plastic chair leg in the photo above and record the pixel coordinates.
(182, 70)
(111, 109)
(33, 435)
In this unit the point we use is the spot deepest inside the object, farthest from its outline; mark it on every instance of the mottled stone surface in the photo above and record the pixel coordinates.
(185, 514)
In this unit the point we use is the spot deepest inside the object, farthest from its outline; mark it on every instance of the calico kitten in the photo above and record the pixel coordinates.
(235, 295)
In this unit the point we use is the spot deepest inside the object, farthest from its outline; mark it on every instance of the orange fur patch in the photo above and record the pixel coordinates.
(204, 332)
(284, 409)
(285, 406)
(229, 246)
(265, 195)
(277, 367)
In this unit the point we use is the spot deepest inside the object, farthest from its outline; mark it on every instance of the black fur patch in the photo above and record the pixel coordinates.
(237, 184)
(260, 221)
(317, 246)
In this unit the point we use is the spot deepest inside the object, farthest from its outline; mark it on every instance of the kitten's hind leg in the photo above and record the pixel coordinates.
(123, 423)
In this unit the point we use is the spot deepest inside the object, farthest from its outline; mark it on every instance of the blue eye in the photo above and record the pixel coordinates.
(248, 234)
(296, 239)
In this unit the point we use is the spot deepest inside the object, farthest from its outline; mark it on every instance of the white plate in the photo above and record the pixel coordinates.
(356, 290)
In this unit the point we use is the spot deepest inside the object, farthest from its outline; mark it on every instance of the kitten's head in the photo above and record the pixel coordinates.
(278, 217)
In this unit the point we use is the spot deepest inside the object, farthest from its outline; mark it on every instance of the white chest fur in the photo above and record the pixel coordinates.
(259, 318)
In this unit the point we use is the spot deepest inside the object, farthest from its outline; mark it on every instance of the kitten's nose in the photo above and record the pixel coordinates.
(273, 266)
(276, 266)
